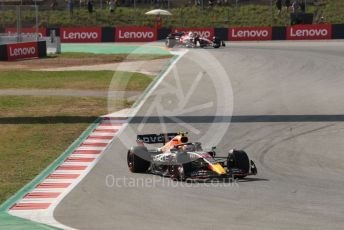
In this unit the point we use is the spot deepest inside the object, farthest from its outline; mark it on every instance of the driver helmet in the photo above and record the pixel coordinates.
(191, 34)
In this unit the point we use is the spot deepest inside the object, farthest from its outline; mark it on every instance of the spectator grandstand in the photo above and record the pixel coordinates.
(186, 13)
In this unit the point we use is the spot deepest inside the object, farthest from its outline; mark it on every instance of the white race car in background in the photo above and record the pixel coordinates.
(192, 40)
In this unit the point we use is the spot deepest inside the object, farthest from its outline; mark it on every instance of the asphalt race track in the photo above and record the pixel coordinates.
(288, 114)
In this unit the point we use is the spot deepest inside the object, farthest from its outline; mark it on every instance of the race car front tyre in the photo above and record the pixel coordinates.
(216, 42)
(254, 170)
(238, 159)
(137, 159)
(180, 172)
(177, 172)
(182, 169)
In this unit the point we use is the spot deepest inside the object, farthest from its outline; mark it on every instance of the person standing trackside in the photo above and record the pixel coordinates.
(70, 6)
(287, 4)
(112, 6)
(279, 6)
(158, 22)
(90, 6)
(299, 5)
(53, 4)
(302, 6)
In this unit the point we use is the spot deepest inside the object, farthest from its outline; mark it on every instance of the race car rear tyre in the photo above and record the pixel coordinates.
(239, 159)
(170, 43)
(137, 159)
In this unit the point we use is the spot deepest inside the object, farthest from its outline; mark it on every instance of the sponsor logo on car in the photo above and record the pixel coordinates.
(27, 31)
(22, 50)
(250, 34)
(308, 32)
(135, 34)
(202, 32)
(153, 138)
(90, 34)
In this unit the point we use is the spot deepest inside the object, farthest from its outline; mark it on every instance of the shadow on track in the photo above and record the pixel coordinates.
(186, 119)
(239, 119)
(252, 179)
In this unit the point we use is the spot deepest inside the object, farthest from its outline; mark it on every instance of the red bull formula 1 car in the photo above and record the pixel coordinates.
(192, 40)
(184, 161)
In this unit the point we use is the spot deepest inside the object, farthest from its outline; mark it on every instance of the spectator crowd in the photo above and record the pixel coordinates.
(297, 6)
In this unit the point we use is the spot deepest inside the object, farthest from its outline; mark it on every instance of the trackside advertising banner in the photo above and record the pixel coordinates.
(250, 34)
(27, 31)
(22, 50)
(309, 32)
(203, 32)
(135, 34)
(87, 34)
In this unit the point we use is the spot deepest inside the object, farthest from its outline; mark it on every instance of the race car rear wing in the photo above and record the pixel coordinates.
(156, 138)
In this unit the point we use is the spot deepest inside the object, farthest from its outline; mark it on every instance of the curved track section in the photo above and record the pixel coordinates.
(288, 115)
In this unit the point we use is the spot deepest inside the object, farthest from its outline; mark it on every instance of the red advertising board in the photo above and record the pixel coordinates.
(89, 34)
(203, 32)
(250, 34)
(309, 32)
(135, 34)
(28, 31)
(22, 50)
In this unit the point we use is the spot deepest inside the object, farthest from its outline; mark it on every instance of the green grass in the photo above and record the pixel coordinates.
(81, 80)
(40, 106)
(25, 150)
(29, 143)
(243, 15)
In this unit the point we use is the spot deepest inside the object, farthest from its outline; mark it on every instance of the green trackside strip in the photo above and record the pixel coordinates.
(101, 48)
(161, 73)
(8, 221)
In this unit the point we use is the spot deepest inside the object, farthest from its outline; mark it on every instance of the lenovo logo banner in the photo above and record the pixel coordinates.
(309, 32)
(250, 34)
(22, 50)
(27, 31)
(89, 34)
(203, 32)
(135, 34)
